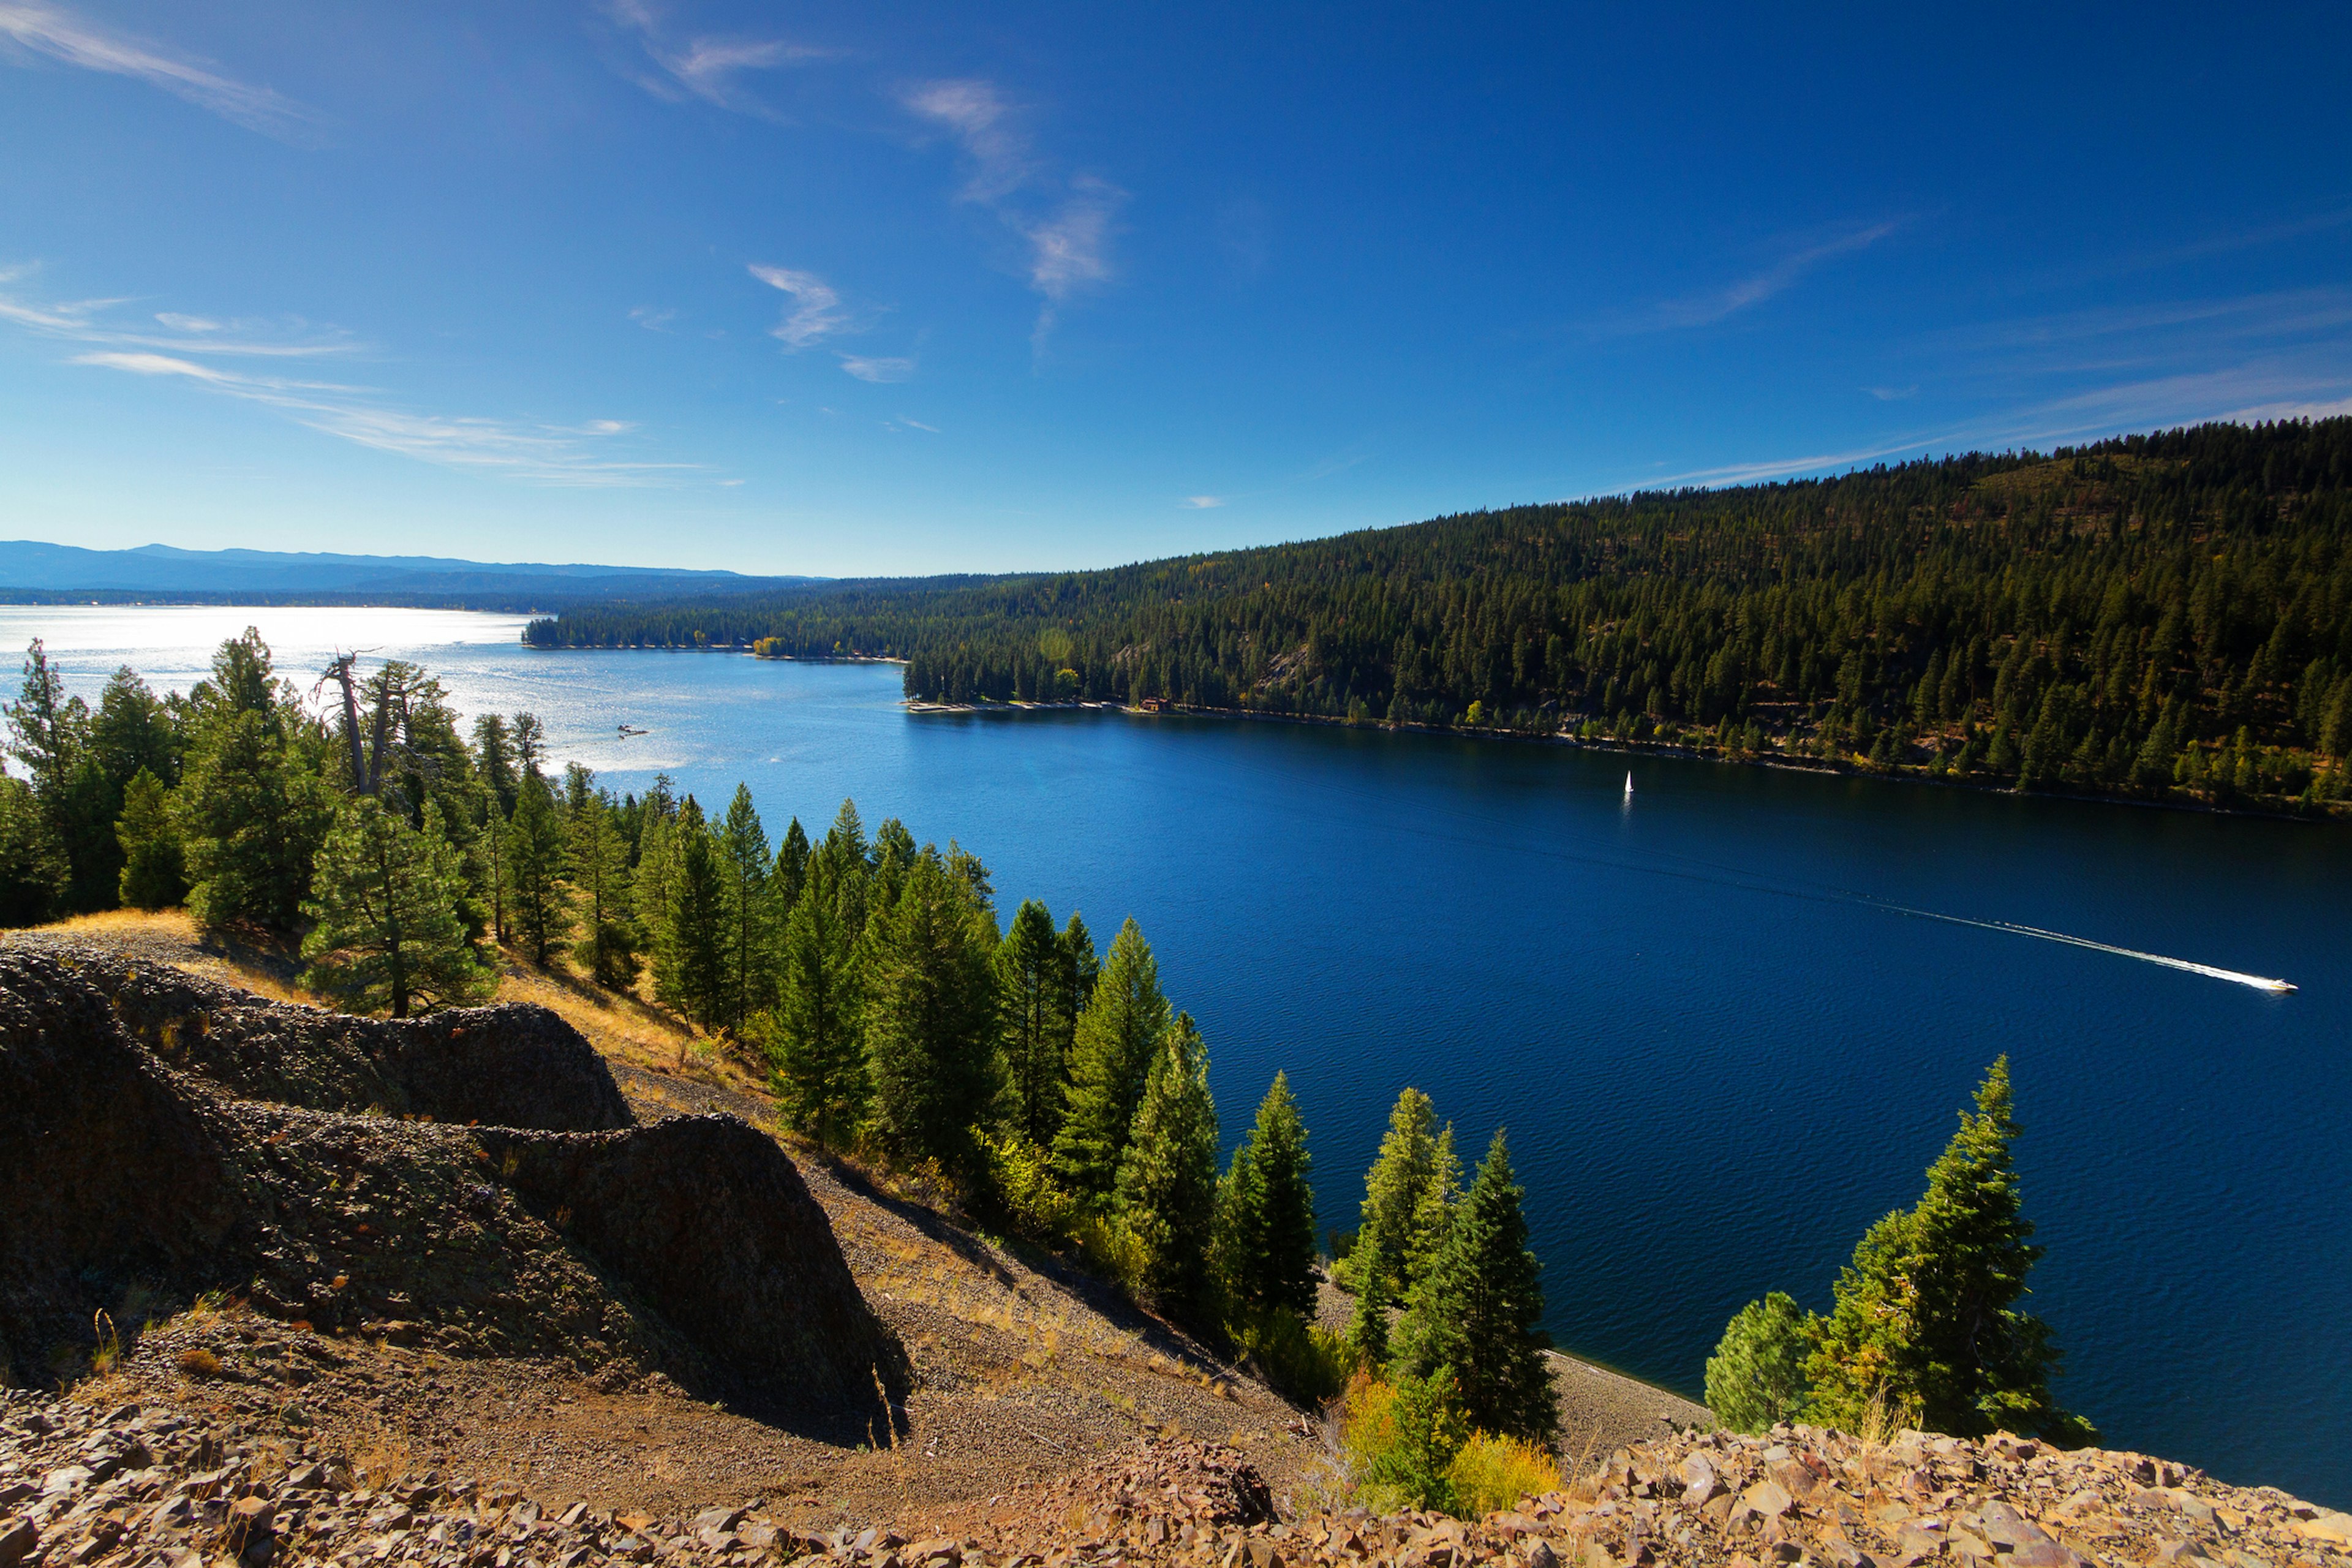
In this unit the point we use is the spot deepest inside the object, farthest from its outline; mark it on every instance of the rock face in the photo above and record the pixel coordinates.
(144, 1154)
(505, 1066)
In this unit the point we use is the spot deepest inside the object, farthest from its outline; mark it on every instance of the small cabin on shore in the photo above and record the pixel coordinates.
(1156, 705)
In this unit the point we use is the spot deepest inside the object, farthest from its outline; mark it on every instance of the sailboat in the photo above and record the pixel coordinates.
(1629, 784)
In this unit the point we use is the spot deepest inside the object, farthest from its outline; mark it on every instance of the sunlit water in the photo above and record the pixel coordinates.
(1719, 1052)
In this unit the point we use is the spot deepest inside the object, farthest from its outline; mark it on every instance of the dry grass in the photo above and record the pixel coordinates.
(198, 1362)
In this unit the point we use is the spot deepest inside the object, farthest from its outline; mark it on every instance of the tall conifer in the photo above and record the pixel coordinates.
(1167, 1183)
(536, 860)
(817, 1045)
(931, 1030)
(1034, 996)
(1475, 1311)
(1266, 1211)
(1110, 1057)
(388, 901)
(1925, 1321)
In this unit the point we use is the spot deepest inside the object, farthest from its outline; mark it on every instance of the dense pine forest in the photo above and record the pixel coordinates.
(2166, 615)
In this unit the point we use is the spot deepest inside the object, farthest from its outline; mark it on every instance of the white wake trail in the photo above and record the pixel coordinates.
(2259, 982)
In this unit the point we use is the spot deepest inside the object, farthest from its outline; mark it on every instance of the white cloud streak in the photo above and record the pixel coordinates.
(54, 33)
(81, 320)
(1202, 503)
(816, 313)
(1705, 310)
(879, 369)
(546, 453)
(707, 67)
(1066, 225)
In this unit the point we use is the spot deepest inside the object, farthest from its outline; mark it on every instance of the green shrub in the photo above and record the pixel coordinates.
(1757, 1375)
(1402, 1439)
(1304, 1362)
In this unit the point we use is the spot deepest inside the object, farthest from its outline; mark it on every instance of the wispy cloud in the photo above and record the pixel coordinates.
(816, 313)
(651, 318)
(188, 351)
(707, 67)
(1202, 503)
(1892, 393)
(1720, 304)
(2267, 390)
(30, 28)
(90, 322)
(547, 453)
(918, 425)
(1066, 224)
(877, 367)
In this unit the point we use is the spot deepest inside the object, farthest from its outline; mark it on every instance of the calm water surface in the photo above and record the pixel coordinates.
(1718, 1059)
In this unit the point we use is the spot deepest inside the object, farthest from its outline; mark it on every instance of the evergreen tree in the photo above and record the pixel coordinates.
(1266, 1211)
(252, 815)
(1167, 1183)
(653, 888)
(1367, 1324)
(697, 927)
(154, 874)
(536, 861)
(607, 947)
(1430, 1431)
(1926, 1321)
(32, 868)
(494, 760)
(1756, 1378)
(817, 1049)
(888, 862)
(1034, 995)
(843, 854)
(387, 899)
(1475, 1311)
(931, 1029)
(1118, 1034)
(1407, 1193)
(791, 874)
(749, 935)
(1080, 969)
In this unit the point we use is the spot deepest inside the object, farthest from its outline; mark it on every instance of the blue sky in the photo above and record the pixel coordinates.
(888, 288)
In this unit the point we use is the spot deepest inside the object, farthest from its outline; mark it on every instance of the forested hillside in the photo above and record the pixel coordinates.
(2163, 616)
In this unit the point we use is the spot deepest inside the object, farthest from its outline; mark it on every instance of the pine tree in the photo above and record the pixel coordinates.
(1118, 1034)
(697, 927)
(1407, 1192)
(387, 899)
(1080, 969)
(1035, 994)
(1266, 1211)
(791, 873)
(494, 760)
(750, 918)
(536, 862)
(652, 886)
(607, 947)
(252, 812)
(154, 874)
(1367, 1324)
(1475, 1311)
(1756, 1378)
(1926, 1321)
(32, 868)
(817, 1048)
(931, 1031)
(1167, 1183)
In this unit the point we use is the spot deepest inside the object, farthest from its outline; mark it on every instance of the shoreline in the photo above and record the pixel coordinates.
(1627, 748)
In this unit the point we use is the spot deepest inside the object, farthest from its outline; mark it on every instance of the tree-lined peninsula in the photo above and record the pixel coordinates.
(2166, 616)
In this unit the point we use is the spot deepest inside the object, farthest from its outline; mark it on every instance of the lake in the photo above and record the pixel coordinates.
(1720, 1049)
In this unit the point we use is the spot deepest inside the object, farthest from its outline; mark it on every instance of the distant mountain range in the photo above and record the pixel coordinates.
(35, 570)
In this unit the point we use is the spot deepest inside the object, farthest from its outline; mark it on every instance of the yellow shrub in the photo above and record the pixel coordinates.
(1492, 1473)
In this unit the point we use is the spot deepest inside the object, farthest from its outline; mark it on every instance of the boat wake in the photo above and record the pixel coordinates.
(2236, 977)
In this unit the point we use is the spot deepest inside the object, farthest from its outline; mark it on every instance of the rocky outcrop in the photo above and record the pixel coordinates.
(171, 1488)
(509, 1066)
(147, 1174)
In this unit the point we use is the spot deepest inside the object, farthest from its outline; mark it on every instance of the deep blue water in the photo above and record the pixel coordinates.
(1718, 1060)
